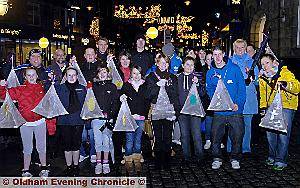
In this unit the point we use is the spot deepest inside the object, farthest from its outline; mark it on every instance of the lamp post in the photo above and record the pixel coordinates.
(71, 21)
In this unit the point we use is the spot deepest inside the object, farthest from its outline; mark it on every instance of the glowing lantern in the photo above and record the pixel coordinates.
(43, 42)
(4, 6)
(152, 32)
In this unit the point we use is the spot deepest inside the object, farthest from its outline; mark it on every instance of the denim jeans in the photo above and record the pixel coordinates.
(236, 131)
(85, 134)
(208, 122)
(246, 146)
(189, 125)
(134, 139)
(279, 142)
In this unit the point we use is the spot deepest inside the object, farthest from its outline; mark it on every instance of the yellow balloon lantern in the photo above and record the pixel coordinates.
(43, 42)
(152, 32)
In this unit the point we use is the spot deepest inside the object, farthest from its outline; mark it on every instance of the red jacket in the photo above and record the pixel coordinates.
(28, 97)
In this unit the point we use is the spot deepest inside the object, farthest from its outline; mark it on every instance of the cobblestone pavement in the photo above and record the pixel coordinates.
(253, 172)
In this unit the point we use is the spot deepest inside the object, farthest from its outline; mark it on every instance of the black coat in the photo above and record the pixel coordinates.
(143, 59)
(89, 70)
(136, 100)
(171, 88)
(107, 97)
(42, 74)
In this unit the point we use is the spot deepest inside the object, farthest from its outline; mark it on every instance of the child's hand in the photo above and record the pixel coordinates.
(235, 107)
(3, 83)
(73, 60)
(123, 98)
(195, 80)
(161, 82)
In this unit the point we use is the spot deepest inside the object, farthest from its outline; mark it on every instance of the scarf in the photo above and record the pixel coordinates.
(126, 72)
(74, 105)
(163, 75)
(136, 84)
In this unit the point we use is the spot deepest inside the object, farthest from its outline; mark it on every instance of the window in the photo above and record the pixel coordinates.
(298, 30)
(34, 14)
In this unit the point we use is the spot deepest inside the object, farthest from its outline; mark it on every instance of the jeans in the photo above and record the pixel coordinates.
(134, 139)
(176, 132)
(189, 125)
(246, 146)
(102, 138)
(208, 122)
(163, 135)
(236, 131)
(85, 134)
(279, 142)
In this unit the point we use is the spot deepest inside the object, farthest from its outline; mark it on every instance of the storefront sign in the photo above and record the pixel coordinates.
(59, 36)
(10, 31)
(85, 41)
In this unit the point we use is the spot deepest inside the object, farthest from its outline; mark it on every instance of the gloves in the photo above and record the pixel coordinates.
(138, 117)
(89, 84)
(172, 118)
(161, 82)
(123, 98)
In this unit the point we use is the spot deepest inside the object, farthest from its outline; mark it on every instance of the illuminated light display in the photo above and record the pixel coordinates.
(94, 28)
(236, 2)
(137, 12)
(10, 31)
(205, 37)
(152, 32)
(4, 7)
(43, 42)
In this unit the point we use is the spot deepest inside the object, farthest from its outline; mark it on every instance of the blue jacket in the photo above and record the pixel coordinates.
(175, 64)
(234, 82)
(245, 61)
(63, 94)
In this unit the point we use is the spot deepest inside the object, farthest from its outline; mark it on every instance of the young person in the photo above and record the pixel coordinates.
(273, 75)
(108, 99)
(72, 95)
(162, 128)
(29, 96)
(134, 90)
(124, 66)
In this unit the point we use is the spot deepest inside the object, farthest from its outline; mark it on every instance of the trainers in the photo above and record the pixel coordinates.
(44, 173)
(98, 169)
(270, 162)
(93, 159)
(222, 146)
(216, 164)
(82, 158)
(278, 168)
(106, 168)
(207, 144)
(26, 173)
(235, 164)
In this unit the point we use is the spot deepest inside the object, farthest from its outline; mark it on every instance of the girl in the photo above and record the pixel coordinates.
(189, 125)
(28, 96)
(135, 90)
(123, 68)
(162, 128)
(275, 74)
(72, 95)
(108, 99)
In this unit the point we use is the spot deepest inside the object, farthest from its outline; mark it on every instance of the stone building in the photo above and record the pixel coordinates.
(281, 18)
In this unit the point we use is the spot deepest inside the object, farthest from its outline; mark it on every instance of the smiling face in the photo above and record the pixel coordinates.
(59, 56)
(202, 54)
(189, 66)
(103, 74)
(140, 43)
(162, 64)
(35, 60)
(218, 56)
(125, 61)
(71, 76)
(136, 74)
(208, 59)
(102, 46)
(239, 48)
(31, 76)
(251, 51)
(267, 64)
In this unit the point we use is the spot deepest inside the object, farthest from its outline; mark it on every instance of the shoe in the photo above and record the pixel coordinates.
(235, 164)
(128, 163)
(98, 168)
(207, 144)
(106, 168)
(137, 161)
(278, 168)
(75, 171)
(69, 171)
(176, 142)
(270, 162)
(82, 158)
(26, 173)
(222, 146)
(44, 173)
(93, 159)
(216, 165)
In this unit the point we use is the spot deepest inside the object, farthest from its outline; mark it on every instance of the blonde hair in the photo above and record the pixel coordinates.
(239, 41)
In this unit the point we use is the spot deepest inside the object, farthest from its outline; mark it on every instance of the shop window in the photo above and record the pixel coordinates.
(298, 30)
(34, 14)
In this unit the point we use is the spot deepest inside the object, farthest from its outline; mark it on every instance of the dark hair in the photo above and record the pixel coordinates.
(71, 68)
(218, 47)
(250, 44)
(29, 68)
(104, 39)
(188, 58)
(209, 52)
(160, 55)
(102, 66)
(270, 56)
(124, 53)
(137, 67)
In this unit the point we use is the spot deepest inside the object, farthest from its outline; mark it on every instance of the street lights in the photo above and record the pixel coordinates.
(71, 21)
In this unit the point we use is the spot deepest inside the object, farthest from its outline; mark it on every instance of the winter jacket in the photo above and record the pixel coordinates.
(42, 73)
(107, 96)
(143, 59)
(28, 97)
(63, 94)
(89, 70)
(234, 81)
(58, 72)
(171, 88)
(136, 99)
(184, 85)
(289, 94)
(244, 62)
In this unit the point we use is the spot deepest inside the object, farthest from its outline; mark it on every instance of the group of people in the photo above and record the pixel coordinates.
(143, 76)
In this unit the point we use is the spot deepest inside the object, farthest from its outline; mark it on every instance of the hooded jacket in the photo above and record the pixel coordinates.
(234, 82)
